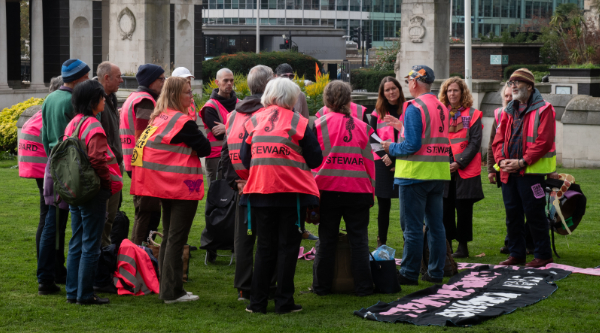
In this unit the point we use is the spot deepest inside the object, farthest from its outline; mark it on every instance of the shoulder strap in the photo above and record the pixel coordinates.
(76, 132)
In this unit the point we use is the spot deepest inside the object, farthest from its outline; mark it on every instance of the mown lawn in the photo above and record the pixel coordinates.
(574, 307)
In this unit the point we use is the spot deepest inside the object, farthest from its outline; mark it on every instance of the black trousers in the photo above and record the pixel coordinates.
(383, 218)
(244, 250)
(178, 216)
(460, 228)
(60, 269)
(520, 202)
(277, 249)
(356, 217)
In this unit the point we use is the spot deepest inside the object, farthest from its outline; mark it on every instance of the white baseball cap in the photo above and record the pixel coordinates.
(182, 72)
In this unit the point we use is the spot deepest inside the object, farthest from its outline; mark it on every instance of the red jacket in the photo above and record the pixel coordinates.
(539, 148)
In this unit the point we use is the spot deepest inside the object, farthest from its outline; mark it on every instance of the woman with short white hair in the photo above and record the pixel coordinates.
(279, 150)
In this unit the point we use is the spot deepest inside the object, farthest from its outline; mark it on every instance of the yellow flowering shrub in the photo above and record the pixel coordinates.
(8, 122)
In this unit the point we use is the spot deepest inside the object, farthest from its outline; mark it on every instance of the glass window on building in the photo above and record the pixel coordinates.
(366, 5)
(280, 4)
(399, 6)
(297, 4)
(228, 20)
(297, 21)
(289, 4)
(389, 29)
(329, 22)
(342, 5)
(227, 4)
(289, 21)
(528, 9)
(388, 6)
(212, 4)
(220, 20)
(355, 5)
(220, 4)
(536, 9)
(234, 20)
(459, 8)
(280, 21)
(487, 9)
(272, 4)
(377, 31)
(497, 8)
(342, 24)
(378, 6)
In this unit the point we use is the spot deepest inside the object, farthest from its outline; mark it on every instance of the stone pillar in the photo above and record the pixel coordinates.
(81, 17)
(184, 34)
(3, 47)
(425, 29)
(37, 45)
(139, 33)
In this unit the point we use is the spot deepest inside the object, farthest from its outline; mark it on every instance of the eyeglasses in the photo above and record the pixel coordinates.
(513, 83)
(408, 81)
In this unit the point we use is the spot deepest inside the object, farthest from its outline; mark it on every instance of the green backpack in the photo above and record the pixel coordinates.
(75, 181)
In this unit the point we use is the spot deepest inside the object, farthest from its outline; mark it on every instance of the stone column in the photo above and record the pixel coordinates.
(184, 34)
(81, 18)
(37, 45)
(3, 48)
(424, 41)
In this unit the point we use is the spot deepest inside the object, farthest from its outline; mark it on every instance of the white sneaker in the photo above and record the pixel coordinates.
(184, 298)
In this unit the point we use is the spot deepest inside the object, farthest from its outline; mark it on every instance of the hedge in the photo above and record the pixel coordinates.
(369, 79)
(8, 123)
(242, 62)
(534, 68)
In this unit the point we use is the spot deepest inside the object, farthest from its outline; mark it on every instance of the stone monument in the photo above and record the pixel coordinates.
(139, 33)
(425, 38)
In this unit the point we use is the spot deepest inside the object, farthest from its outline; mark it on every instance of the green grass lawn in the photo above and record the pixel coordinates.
(574, 307)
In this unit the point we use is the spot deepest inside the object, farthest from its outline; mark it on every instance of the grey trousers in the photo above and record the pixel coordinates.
(178, 216)
(211, 166)
(112, 207)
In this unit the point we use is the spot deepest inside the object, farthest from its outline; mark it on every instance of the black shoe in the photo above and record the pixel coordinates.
(107, 289)
(462, 251)
(504, 250)
(243, 295)
(428, 278)
(255, 311)
(294, 308)
(48, 288)
(193, 248)
(95, 300)
(212, 256)
(404, 281)
(71, 300)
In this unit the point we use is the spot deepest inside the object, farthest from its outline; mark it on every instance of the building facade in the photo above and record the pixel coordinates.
(380, 17)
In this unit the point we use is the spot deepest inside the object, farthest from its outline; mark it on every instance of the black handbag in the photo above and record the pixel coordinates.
(385, 276)
(220, 217)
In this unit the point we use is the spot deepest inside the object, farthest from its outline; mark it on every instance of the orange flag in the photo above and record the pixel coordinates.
(317, 71)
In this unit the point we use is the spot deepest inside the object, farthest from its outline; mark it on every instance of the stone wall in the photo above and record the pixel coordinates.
(482, 69)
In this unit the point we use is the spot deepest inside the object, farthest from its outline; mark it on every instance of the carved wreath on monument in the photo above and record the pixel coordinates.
(126, 34)
(416, 30)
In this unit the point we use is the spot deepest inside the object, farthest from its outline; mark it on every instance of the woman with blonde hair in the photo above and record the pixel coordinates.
(464, 189)
(389, 102)
(346, 182)
(166, 165)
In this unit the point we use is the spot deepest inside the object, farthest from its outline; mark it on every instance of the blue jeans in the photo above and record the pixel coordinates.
(87, 223)
(519, 203)
(422, 202)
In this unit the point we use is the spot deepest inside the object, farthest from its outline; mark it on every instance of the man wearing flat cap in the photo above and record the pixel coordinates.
(421, 169)
(524, 150)
(135, 115)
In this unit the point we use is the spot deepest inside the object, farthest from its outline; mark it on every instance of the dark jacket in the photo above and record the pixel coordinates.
(211, 115)
(249, 104)
(546, 132)
(109, 118)
(468, 188)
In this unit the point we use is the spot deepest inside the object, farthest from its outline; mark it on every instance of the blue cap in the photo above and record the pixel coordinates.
(73, 69)
(421, 73)
(148, 73)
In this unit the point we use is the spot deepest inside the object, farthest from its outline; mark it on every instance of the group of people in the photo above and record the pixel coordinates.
(426, 152)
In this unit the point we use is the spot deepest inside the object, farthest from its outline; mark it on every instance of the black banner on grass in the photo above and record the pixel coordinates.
(470, 297)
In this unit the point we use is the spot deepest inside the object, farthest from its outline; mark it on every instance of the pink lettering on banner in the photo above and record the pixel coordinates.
(444, 295)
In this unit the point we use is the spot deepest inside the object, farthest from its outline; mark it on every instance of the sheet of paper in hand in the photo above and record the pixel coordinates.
(470, 297)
